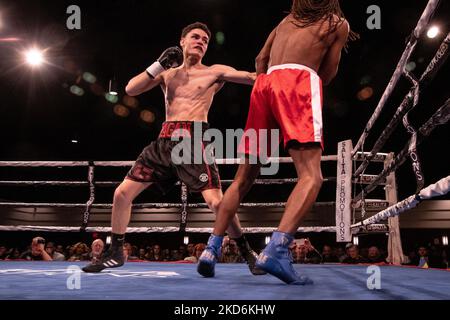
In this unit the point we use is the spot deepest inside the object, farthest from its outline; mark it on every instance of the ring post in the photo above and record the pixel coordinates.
(344, 191)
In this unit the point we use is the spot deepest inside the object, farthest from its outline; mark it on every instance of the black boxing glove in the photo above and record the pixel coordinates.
(171, 57)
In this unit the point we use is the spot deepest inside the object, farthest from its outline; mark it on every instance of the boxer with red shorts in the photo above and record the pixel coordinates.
(288, 98)
(300, 54)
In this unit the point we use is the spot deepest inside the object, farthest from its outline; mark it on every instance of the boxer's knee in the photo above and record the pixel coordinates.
(312, 181)
(213, 204)
(243, 184)
(122, 196)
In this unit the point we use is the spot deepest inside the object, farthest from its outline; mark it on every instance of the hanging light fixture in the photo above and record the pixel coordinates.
(113, 87)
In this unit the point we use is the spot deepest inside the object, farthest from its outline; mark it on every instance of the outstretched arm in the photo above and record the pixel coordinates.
(229, 74)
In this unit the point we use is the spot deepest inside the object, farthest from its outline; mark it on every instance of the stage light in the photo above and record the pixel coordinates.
(74, 141)
(89, 77)
(432, 32)
(266, 239)
(34, 57)
(131, 102)
(185, 239)
(147, 116)
(365, 93)
(220, 38)
(355, 240)
(121, 111)
(76, 90)
(445, 240)
(410, 66)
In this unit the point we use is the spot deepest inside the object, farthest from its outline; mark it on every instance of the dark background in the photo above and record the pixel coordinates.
(40, 117)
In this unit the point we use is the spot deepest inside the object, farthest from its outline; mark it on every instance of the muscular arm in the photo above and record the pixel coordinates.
(229, 74)
(329, 67)
(142, 83)
(262, 59)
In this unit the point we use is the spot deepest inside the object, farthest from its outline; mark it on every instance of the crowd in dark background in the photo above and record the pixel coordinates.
(432, 254)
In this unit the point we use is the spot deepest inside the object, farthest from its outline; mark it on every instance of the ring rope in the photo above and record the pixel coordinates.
(379, 158)
(440, 117)
(115, 183)
(151, 205)
(416, 34)
(157, 229)
(439, 188)
(436, 63)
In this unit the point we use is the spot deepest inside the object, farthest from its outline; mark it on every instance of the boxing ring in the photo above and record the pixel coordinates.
(180, 281)
(354, 213)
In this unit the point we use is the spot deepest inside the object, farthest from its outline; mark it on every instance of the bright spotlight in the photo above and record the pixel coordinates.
(433, 32)
(34, 57)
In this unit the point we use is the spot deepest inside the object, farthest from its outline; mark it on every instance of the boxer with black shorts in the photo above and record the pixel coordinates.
(189, 88)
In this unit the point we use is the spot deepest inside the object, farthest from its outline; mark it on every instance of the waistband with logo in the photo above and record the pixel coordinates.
(177, 129)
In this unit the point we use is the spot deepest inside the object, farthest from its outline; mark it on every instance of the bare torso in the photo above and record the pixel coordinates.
(306, 46)
(189, 93)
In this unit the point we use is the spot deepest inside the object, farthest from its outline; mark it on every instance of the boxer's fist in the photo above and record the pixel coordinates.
(171, 57)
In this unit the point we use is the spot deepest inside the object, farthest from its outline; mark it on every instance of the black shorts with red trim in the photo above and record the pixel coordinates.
(179, 154)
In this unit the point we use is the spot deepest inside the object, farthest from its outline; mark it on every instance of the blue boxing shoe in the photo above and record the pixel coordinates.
(208, 259)
(276, 260)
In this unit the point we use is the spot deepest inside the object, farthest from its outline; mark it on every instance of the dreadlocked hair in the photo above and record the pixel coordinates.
(308, 12)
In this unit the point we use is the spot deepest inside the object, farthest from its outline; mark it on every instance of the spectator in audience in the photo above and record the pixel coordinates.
(13, 254)
(340, 253)
(3, 252)
(149, 254)
(56, 256)
(230, 251)
(165, 255)
(157, 254)
(182, 251)
(198, 250)
(364, 252)
(427, 259)
(37, 251)
(436, 256)
(421, 259)
(129, 251)
(97, 248)
(305, 252)
(353, 255)
(141, 255)
(59, 248)
(328, 256)
(374, 256)
(80, 252)
(190, 249)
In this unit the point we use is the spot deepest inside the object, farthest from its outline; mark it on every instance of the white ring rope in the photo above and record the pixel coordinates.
(418, 31)
(434, 190)
(360, 155)
(156, 229)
